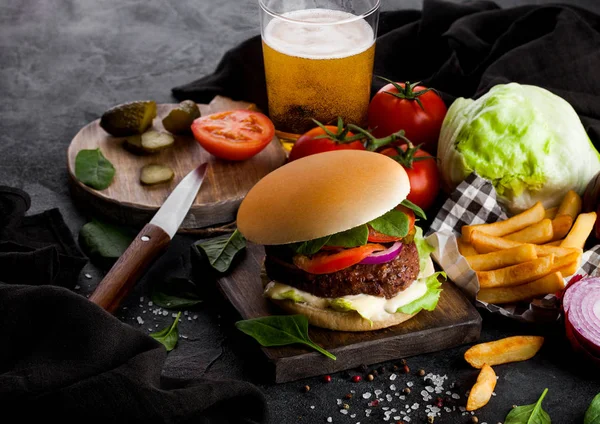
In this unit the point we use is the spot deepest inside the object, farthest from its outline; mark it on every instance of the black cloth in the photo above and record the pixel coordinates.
(462, 50)
(64, 358)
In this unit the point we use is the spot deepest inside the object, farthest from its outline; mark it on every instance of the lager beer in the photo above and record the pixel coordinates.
(318, 64)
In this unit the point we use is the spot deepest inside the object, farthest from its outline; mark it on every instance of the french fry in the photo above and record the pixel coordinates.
(465, 249)
(551, 213)
(571, 205)
(584, 224)
(502, 351)
(510, 225)
(485, 243)
(553, 243)
(561, 226)
(551, 283)
(522, 273)
(502, 258)
(567, 265)
(482, 390)
(538, 233)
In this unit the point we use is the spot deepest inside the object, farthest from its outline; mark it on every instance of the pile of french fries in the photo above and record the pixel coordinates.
(528, 255)
(484, 355)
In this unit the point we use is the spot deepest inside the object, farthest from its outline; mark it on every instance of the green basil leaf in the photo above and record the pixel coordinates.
(416, 209)
(394, 223)
(280, 330)
(592, 415)
(221, 250)
(168, 336)
(104, 240)
(93, 169)
(175, 293)
(529, 414)
(353, 237)
(310, 247)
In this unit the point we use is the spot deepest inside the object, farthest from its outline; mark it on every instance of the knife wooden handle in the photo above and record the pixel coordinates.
(121, 278)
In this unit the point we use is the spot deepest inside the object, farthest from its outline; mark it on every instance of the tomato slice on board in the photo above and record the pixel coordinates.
(234, 134)
(326, 263)
(377, 237)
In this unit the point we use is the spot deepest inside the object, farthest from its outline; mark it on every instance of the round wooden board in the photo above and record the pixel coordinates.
(127, 201)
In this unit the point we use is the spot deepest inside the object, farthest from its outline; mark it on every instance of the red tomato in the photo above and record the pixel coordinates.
(423, 174)
(377, 237)
(235, 134)
(405, 108)
(307, 145)
(325, 263)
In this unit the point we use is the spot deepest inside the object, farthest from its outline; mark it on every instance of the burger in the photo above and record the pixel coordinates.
(341, 243)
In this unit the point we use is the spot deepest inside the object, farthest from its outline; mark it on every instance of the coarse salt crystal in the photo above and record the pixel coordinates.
(447, 409)
(415, 406)
(142, 299)
(366, 395)
(407, 419)
(455, 396)
(87, 275)
(493, 393)
(339, 401)
(386, 408)
(353, 416)
(77, 287)
(140, 320)
(393, 387)
(174, 315)
(329, 419)
(388, 397)
(462, 408)
(402, 397)
(409, 384)
(343, 411)
(429, 389)
(367, 412)
(393, 377)
(312, 406)
(165, 313)
(378, 392)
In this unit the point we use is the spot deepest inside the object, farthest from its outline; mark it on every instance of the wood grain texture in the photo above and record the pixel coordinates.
(454, 322)
(128, 202)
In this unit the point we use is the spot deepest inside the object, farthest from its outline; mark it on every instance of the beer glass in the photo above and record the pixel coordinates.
(318, 57)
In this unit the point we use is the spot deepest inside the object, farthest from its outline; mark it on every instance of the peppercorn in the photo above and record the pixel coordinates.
(421, 372)
(402, 361)
(439, 402)
(346, 406)
(430, 419)
(406, 390)
(474, 419)
(356, 378)
(375, 373)
(399, 422)
(405, 369)
(374, 403)
(370, 377)
(395, 368)
(327, 379)
(348, 396)
(306, 388)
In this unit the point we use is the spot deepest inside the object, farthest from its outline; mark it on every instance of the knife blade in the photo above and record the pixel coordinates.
(149, 243)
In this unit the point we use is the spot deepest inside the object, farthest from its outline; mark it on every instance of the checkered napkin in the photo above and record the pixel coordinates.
(474, 202)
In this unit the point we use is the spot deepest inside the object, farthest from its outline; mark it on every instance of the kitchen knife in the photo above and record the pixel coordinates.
(149, 243)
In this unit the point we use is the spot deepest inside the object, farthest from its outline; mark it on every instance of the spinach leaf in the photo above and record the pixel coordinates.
(279, 330)
(394, 223)
(416, 209)
(353, 237)
(221, 250)
(104, 240)
(175, 293)
(529, 414)
(592, 415)
(93, 169)
(168, 336)
(310, 247)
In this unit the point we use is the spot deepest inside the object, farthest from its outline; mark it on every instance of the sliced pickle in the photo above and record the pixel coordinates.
(154, 141)
(128, 118)
(179, 120)
(155, 173)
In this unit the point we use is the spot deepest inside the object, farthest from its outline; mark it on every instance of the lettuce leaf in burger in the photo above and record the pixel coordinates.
(341, 242)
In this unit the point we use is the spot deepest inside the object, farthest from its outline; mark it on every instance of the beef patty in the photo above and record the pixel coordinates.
(384, 280)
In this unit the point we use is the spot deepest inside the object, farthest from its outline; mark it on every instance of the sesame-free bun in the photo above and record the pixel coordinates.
(320, 195)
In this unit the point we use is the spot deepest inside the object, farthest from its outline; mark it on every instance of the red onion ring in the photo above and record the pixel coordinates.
(581, 303)
(383, 255)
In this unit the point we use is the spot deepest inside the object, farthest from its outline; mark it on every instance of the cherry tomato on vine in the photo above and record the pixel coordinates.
(416, 109)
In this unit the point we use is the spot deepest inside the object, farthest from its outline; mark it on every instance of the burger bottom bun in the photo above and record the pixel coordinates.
(338, 320)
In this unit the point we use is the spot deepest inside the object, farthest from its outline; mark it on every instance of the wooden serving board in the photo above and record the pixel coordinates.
(454, 322)
(127, 201)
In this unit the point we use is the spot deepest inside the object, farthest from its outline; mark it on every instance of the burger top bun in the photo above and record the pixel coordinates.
(320, 195)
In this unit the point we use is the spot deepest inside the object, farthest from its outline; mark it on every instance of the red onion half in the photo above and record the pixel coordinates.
(581, 303)
(383, 255)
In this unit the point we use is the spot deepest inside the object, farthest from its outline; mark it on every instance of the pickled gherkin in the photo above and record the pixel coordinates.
(129, 118)
(179, 120)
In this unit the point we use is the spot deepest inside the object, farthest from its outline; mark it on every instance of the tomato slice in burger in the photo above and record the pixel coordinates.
(234, 134)
(377, 237)
(326, 263)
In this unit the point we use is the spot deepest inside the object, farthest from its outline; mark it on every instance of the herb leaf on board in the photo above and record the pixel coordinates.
(175, 293)
(592, 415)
(393, 223)
(104, 240)
(168, 336)
(93, 169)
(529, 414)
(221, 250)
(280, 330)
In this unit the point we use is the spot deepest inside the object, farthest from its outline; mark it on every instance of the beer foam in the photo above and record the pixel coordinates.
(330, 41)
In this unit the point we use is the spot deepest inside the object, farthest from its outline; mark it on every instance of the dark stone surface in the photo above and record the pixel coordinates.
(64, 62)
